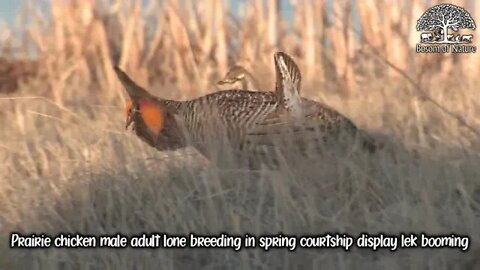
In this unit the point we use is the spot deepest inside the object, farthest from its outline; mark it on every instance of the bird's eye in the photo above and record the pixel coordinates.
(133, 109)
(136, 108)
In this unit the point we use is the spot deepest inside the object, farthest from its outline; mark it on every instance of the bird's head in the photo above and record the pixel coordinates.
(148, 116)
(235, 74)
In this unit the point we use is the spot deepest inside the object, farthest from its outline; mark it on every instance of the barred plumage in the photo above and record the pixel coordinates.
(241, 119)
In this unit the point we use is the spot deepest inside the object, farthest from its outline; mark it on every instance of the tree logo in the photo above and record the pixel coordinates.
(442, 24)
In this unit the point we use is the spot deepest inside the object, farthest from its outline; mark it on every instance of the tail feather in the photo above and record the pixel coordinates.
(288, 85)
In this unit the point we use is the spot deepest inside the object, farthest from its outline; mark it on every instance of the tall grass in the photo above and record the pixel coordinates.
(68, 165)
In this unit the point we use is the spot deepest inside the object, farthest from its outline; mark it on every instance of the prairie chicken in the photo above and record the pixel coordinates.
(303, 120)
(241, 75)
(240, 119)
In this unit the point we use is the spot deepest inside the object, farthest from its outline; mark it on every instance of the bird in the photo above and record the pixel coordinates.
(239, 74)
(287, 85)
(223, 116)
(243, 120)
(297, 118)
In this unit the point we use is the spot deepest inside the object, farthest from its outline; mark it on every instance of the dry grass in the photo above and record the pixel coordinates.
(68, 165)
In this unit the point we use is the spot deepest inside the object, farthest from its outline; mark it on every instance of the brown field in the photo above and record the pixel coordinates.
(69, 165)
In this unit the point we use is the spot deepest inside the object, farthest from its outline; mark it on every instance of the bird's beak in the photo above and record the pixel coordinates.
(226, 81)
(129, 120)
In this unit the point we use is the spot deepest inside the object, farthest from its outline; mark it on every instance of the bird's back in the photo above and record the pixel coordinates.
(249, 121)
(224, 115)
(242, 119)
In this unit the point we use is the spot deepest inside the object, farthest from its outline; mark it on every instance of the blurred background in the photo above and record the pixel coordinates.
(67, 163)
(346, 50)
(189, 44)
